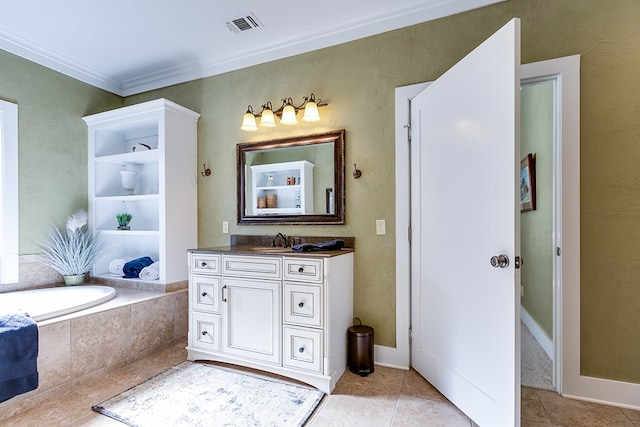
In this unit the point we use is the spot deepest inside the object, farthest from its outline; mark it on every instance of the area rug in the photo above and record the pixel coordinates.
(197, 394)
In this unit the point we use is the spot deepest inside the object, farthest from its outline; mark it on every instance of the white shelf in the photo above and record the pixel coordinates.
(138, 157)
(128, 197)
(129, 232)
(164, 203)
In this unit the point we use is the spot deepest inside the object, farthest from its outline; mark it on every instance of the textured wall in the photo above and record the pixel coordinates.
(536, 126)
(52, 142)
(358, 80)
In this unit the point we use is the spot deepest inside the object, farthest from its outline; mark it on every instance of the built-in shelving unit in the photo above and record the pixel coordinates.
(156, 139)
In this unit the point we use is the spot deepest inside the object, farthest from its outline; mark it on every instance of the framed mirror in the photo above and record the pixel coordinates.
(297, 180)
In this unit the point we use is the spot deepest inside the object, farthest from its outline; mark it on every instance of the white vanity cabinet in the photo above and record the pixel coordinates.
(288, 185)
(156, 140)
(286, 314)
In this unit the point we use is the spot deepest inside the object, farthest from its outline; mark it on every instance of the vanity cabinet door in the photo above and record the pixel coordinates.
(303, 269)
(205, 293)
(303, 349)
(303, 304)
(204, 263)
(252, 327)
(205, 331)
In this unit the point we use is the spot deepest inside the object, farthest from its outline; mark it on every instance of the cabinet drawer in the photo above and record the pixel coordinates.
(205, 332)
(205, 293)
(309, 270)
(302, 304)
(252, 266)
(303, 349)
(205, 263)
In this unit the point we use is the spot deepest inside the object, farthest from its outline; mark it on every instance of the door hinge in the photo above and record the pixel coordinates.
(410, 335)
(408, 128)
(409, 233)
(519, 262)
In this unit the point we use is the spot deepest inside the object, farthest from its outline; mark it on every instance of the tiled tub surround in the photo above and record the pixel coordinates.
(85, 345)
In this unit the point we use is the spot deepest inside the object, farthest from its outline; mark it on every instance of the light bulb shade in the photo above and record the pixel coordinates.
(289, 116)
(311, 112)
(249, 122)
(267, 119)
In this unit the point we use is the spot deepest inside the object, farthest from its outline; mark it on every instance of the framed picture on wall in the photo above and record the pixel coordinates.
(527, 183)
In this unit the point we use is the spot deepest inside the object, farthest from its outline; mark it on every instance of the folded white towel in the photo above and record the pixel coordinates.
(116, 266)
(151, 272)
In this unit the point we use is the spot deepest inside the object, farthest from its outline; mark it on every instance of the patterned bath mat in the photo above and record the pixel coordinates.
(196, 394)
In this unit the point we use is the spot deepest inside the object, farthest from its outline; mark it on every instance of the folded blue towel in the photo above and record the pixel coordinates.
(133, 268)
(331, 245)
(18, 355)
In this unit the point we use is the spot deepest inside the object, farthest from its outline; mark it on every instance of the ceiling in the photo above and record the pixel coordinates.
(127, 47)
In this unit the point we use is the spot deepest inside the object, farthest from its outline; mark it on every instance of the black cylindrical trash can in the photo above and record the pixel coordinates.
(360, 358)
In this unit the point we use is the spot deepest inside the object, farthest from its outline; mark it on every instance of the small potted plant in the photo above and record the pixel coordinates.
(123, 220)
(71, 252)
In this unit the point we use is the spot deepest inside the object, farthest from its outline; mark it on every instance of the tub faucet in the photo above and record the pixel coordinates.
(282, 237)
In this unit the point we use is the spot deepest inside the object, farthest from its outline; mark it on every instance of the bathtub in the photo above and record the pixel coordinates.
(46, 303)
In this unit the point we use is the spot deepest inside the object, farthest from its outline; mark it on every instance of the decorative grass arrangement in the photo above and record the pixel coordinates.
(71, 252)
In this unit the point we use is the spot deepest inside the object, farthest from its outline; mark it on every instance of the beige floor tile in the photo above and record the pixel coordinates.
(355, 411)
(531, 408)
(415, 385)
(383, 382)
(634, 416)
(569, 412)
(415, 411)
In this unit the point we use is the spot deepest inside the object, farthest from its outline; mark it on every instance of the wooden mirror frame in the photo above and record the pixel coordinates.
(335, 137)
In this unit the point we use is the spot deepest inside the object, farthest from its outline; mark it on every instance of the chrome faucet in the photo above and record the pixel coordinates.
(282, 237)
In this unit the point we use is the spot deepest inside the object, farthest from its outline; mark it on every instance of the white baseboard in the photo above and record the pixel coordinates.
(607, 392)
(388, 357)
(538, 333)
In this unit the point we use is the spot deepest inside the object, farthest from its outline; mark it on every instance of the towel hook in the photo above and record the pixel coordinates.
(356, 172)
(205, 170)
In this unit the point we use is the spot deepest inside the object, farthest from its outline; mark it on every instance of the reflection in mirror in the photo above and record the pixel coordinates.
(292, 181)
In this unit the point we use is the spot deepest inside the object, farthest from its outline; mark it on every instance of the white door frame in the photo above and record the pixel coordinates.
(567, 315)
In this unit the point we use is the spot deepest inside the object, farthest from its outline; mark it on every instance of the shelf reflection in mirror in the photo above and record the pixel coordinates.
(303, 193)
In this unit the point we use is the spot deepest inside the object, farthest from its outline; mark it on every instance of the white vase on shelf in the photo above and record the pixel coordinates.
(129, 180)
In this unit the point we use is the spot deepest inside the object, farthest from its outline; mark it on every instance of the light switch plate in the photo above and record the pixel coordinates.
(381, 226)
(225, 227)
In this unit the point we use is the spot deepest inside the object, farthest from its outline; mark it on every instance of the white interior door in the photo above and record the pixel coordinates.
(465, 312)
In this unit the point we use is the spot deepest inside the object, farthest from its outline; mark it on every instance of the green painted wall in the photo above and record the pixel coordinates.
(358, 80)
(52, 142)
(536, 126)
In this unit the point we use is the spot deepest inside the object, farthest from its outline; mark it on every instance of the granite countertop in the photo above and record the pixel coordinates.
(270, 245)
(269, 251)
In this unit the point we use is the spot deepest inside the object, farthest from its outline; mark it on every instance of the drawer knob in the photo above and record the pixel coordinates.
(203, 264)
(300, 269)
(301, 304)
(204, 294)
(204, 333)
(301, 350)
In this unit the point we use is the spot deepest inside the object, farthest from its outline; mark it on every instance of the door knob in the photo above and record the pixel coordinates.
(501, 261)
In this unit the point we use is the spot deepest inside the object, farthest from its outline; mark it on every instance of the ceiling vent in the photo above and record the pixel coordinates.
(242, 23)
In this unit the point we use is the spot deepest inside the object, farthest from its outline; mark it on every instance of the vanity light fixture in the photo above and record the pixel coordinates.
(287, 113)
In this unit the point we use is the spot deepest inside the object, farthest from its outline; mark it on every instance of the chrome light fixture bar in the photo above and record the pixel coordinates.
(286, 113)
